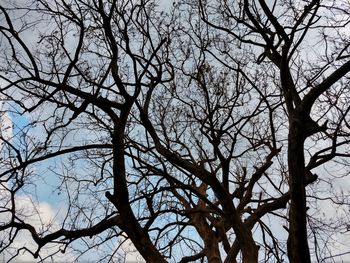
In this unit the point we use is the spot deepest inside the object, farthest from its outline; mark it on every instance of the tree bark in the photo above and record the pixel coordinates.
(298, 248)
(251, 254)
(120, 199)
(250, 251)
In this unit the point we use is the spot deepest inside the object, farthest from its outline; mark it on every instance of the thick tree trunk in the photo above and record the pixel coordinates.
(250, 251)
(298, 248)
(251, 255)
(211, 244)
(120, 199)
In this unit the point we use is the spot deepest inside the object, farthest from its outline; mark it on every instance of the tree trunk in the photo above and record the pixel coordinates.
(120, 199)
(298, 248)
(250, 251)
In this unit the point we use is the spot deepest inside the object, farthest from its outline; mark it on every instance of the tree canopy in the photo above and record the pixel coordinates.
(201, 131)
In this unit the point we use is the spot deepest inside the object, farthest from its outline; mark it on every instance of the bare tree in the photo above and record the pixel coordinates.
(195, 129)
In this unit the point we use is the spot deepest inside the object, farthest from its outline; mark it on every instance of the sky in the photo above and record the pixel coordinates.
(47, 213)
(49, 205)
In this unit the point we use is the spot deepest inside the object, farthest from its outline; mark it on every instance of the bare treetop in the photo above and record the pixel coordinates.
(201, 131)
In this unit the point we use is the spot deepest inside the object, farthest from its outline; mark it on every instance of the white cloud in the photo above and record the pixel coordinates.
(5, 123)
(341, 252)
(130, 252)
(41, 216)
(45, 218)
